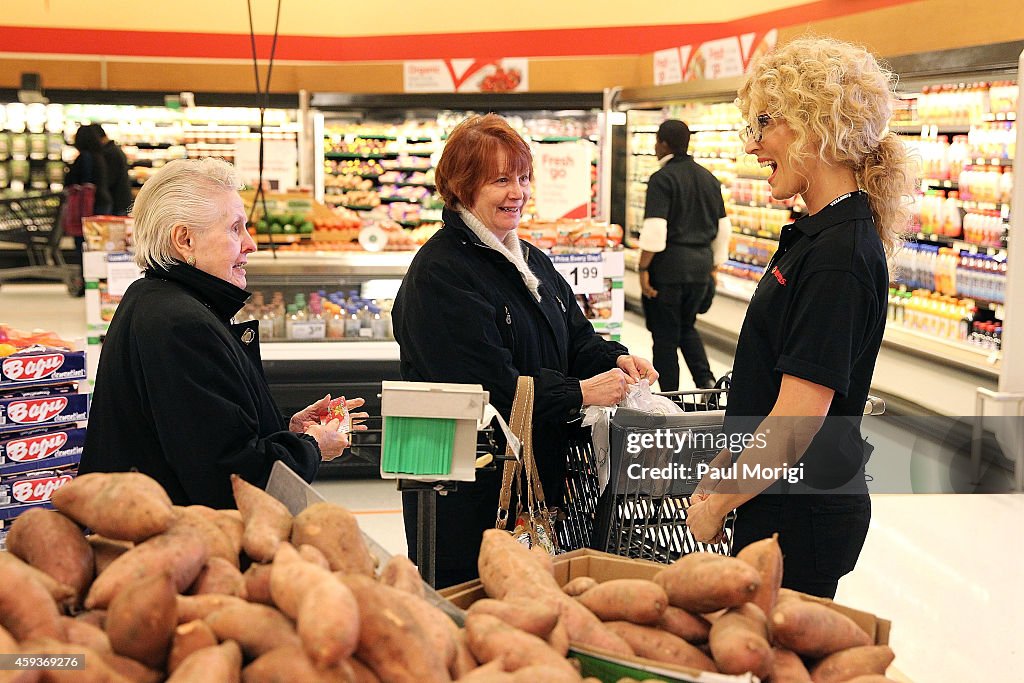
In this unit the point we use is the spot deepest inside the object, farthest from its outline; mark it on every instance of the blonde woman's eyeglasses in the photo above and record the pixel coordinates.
(755, 134)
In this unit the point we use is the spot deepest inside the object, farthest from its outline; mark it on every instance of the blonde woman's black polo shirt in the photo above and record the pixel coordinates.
(818, 313)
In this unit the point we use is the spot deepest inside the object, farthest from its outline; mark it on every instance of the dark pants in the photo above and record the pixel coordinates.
(670, 317)
(462, 516)
(821, 536)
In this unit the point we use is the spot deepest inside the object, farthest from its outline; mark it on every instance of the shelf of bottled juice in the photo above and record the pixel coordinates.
(319, 316)
(944, 317)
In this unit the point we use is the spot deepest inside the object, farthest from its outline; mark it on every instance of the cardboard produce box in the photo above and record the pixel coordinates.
(608, 667)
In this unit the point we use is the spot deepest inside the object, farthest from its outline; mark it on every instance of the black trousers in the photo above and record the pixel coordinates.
(821, 536)
(670, 318)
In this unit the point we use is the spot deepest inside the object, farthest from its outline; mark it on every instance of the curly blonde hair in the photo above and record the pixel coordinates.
(837, 99)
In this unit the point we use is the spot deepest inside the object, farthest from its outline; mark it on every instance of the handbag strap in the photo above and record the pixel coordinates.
(521, 424)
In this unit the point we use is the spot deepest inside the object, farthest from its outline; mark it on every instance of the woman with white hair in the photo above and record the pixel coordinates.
(180, 391)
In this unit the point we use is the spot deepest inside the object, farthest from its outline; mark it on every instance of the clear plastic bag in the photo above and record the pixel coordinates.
(640, 397)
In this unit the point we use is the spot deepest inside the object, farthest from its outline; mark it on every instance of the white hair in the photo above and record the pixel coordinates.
(183, 192)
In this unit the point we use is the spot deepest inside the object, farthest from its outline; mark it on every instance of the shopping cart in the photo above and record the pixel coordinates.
(32, 221)
(645, 517)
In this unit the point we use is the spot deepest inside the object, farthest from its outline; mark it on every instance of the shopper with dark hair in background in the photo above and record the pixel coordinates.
(89, 168)
(480, 307)
(818, 112)
(119, 185)
(681, 219)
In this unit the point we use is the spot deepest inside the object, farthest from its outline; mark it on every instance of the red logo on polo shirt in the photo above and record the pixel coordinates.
(779, 276)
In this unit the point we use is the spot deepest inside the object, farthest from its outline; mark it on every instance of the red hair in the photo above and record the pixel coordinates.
(472, 155)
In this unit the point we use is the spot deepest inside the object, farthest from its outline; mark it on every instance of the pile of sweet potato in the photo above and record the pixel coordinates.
(158, 593)
(705, 612)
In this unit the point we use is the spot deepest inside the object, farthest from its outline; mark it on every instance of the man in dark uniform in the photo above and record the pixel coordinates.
(681, 219)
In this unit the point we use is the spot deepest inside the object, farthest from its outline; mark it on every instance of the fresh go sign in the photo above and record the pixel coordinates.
(719, 58)
(562, 180)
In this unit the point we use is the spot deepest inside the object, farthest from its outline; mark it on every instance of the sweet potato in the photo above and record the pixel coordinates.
(313, 556)
(328, 622)
(871, 678)
(464, 659)
(257, 629)
(701, 584)
(548, 674)
(362, 673)
(54, 544)
(141, 620)
(81, 632)
(192, 607)
(291, 578)
(128, 506)
(507, 569)
(492, 672)
(766, 557)
(281, 665)
(106, 550)
(692, 628)
(579, 586)
(96, 669)
(634, 600)
(491, 639)
(660, 646)
(558, 639)
(199, 521)
(814, 630)
(399, 572)
(333, 530)
(27, 609)
(61, 593)
(267, 520)
(219, 663)
(544, 558)
(131, 670)
(93, 617)
(188, 638)
(257, 583)
(532, 616)
(180, 555)
(231, 526)
(739, 641)
(391, 641)
(855, 661)
(221, 577)
(787, 667)
(506, 565)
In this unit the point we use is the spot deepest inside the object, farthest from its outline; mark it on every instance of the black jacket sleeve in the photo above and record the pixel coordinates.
(589, 353)
(447, 333)
(206, 412)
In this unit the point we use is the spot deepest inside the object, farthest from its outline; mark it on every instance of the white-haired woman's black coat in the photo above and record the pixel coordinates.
(464, 314)
(181, 396)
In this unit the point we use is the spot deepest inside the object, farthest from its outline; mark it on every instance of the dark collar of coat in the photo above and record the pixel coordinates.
(220, 296)
(453, 221)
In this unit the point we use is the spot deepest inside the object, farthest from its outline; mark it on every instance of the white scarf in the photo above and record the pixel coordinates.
(510, 248)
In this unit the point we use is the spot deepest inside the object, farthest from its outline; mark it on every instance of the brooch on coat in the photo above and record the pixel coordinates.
(248, 336)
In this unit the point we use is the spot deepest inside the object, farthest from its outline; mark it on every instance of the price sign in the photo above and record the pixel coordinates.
(583, 272)
(120, 274)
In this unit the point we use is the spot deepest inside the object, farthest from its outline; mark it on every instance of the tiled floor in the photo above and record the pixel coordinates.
(944, 568)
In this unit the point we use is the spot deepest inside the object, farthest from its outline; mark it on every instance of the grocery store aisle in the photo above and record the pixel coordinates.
(943, 568)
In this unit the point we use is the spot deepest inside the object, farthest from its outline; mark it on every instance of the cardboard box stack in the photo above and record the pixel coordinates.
(42, 418)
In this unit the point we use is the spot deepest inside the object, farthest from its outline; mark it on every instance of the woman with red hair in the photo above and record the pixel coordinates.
(480, 307)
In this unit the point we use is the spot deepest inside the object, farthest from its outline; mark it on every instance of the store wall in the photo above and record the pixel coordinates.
(889, 27)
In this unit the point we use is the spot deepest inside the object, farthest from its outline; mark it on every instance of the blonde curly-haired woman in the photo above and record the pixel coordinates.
(818, 112)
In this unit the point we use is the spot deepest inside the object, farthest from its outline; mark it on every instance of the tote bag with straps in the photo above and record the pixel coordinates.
(535, 523)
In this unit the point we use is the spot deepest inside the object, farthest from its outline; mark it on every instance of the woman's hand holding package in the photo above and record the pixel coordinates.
(315, 413)
(605, 389)
(637, 368)
(331, 442)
